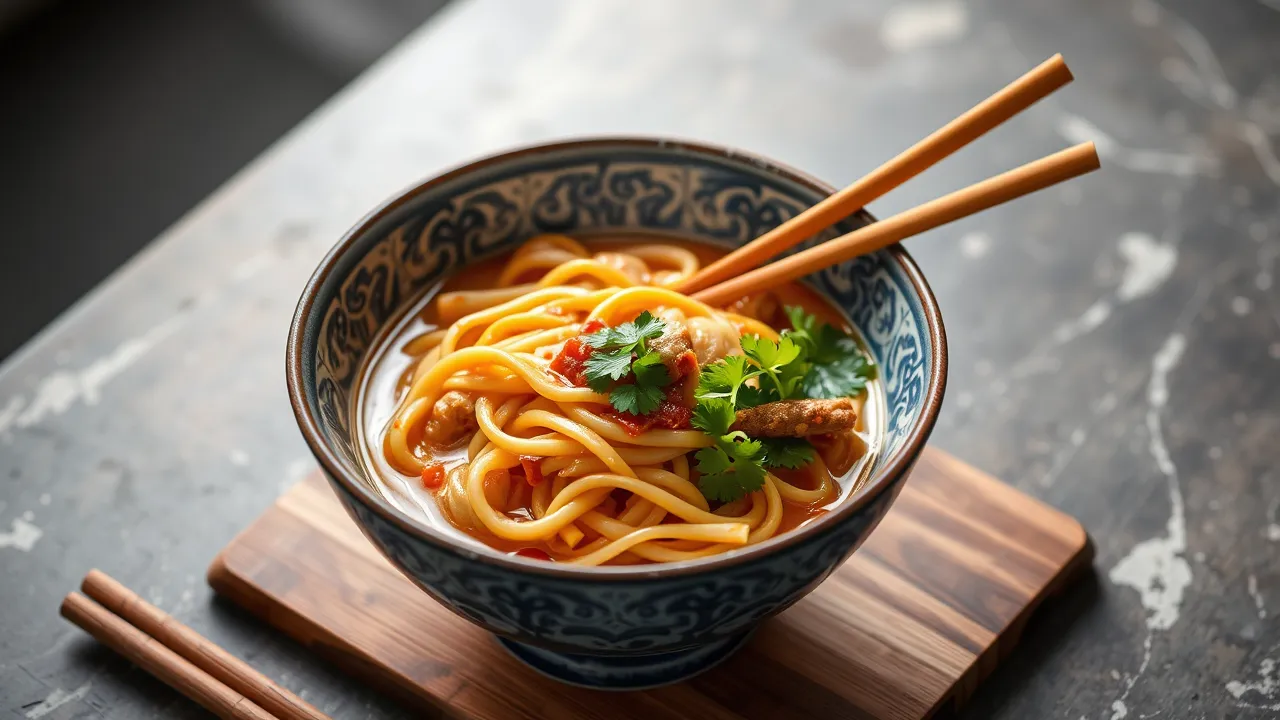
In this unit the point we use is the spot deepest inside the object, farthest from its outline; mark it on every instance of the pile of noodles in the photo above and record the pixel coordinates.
(495, 346)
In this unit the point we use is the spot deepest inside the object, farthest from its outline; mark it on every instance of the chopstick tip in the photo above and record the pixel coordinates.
(1092, 151)
(1057, 65)
(93, 575)
(69, 603)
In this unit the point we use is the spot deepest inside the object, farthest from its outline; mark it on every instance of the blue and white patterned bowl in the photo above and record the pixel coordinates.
(617, 627)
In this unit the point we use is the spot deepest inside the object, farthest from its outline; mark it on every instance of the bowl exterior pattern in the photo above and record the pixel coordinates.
(618, 618)
(444, 226)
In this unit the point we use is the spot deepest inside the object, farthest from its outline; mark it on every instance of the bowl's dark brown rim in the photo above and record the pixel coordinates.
(311, 431)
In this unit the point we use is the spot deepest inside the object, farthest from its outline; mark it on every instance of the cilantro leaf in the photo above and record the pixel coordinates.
(803, 326)
(786, 452)
(636, 399)
(782, 364)
(750, 396)
(770, 355)
(790, 379)
(649, 370)
(730, 469)
(644, 327)
(628, 335)
(598, 339)
(722, 377)
(620, 351)
(646, 394)
(714, 416)
(837, 365)
(844, 376)
(714, 474)
(603, 368)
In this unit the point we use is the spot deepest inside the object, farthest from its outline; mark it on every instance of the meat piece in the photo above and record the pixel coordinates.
(671, 345)
(453, 417)
(713, 338)
(797, 418)
(690, 373)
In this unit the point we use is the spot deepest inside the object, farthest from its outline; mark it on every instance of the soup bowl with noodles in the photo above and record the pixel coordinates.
(512, 399)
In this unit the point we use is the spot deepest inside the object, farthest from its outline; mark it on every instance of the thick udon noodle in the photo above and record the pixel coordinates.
(608, 496)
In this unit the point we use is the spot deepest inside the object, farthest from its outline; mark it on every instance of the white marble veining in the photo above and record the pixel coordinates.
(60, 390)
(23, 536)
(1077, 129)
(1148, 264)
(57, 699)
(1259, 602)
(1156, 567)
(1259, 694)
(1091, 319)
(912, 25)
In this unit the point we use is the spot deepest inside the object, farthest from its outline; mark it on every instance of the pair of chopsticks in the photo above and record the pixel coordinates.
(179, 656)
(741, 273)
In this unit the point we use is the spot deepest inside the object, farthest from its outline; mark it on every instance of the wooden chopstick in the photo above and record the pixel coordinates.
(147, 653)
(1002, 188)
(224, 668)
(1013, 99)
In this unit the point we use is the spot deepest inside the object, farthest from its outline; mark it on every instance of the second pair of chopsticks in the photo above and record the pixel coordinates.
(740, 272)
(179, 656)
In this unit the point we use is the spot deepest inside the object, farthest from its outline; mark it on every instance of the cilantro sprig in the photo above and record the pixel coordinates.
(810, 360)
(620, 354)
(734, 465)
(837, 366)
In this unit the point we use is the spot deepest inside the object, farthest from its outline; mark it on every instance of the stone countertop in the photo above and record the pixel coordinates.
(1115, 341)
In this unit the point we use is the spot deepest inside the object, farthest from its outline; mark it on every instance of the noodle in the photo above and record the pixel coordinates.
(535, 461)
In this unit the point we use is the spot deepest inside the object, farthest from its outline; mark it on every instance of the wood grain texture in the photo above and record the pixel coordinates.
(913, 622)
(196, 649)
(163, 663)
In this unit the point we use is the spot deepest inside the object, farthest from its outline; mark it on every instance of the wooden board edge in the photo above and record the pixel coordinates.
(227, 583)
(1008, 638)
(949, 464)
(219, 574)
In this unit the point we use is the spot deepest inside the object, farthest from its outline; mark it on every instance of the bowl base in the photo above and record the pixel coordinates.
(625, 672)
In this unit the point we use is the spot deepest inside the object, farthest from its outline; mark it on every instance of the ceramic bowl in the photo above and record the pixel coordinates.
(615, 627)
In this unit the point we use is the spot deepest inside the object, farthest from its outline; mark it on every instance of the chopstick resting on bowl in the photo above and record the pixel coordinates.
(981, 118)
(1002, 188)
(179, 656)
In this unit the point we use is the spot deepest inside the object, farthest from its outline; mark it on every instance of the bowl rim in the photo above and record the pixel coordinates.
(879, 482)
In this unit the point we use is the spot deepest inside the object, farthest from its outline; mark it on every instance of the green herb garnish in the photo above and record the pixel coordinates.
(811, 360)
(793, 453)
(621, 352)
(628, 336)
(837, 366)
(733, 466)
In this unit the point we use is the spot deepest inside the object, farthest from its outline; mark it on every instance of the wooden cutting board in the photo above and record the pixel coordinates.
(910, 624)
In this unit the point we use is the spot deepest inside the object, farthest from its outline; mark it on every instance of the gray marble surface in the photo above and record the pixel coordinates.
(1115, 342)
